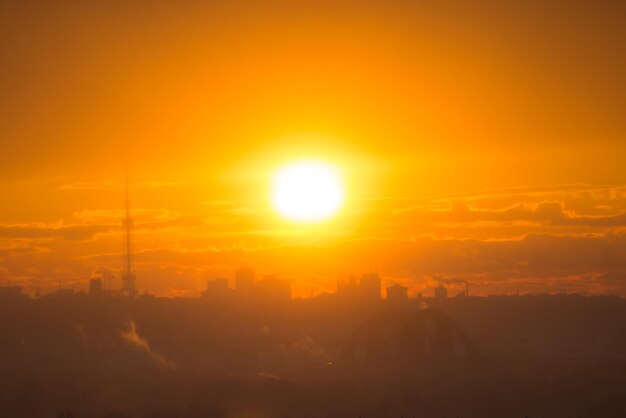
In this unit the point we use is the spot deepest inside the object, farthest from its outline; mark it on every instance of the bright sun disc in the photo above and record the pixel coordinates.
(307, 191)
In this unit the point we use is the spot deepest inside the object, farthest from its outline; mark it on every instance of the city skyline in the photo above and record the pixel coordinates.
(482, 142)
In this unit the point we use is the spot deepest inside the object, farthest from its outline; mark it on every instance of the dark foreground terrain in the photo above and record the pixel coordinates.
(535, 356)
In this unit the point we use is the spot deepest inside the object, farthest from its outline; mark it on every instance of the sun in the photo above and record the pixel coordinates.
(307, 191)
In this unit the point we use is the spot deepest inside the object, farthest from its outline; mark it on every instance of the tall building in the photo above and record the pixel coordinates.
(441, 292)
(216, 289)
(347, 286)
(274, 289)
(370, 287)
(397, 294)
(95, 287)
(244, 280)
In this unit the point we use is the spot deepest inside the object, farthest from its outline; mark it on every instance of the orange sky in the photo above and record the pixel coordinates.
(480, 140)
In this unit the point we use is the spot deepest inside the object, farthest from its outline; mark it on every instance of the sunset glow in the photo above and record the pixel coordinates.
(313, 209)
(414, 139)
(307, 191)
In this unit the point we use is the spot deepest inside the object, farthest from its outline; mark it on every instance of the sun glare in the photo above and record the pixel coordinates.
(307, 191)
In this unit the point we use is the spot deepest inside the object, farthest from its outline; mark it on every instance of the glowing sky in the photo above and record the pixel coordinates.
(483, 140)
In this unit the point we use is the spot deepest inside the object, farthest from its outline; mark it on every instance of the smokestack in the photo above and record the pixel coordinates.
(466, 288)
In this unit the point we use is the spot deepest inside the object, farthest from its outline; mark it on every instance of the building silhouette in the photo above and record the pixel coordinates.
(366, 289)
(370, 287)
(273, 289)
(441, 292)
(244, 280)
(62, 293)
(397, 294)
(348, 286)
(216, 289)
(95, 287)
(249, 291)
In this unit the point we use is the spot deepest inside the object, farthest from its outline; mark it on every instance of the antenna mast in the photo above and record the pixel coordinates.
(129, 287)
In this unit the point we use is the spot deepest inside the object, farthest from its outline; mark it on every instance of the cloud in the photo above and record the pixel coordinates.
(617, 278)
(542, 191)
(118, 185)
(115, 215)
(535, 257)
(98, 222)
(68, 232)
(496, 264)
(550, 213)
(16, 248)
(547, 235)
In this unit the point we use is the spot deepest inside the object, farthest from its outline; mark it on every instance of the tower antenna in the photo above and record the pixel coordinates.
(129, 287)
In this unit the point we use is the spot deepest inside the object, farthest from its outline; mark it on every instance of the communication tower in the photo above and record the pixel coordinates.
(129, 286)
